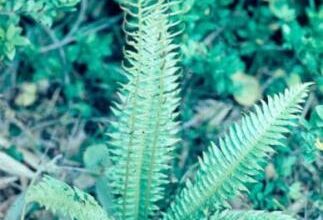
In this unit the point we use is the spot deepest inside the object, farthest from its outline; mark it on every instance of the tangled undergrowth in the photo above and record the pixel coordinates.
(60, 71)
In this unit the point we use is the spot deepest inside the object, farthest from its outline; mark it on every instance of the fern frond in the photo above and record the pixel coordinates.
(57, 196)
(250, 215)
(225, 169)
(145, 129)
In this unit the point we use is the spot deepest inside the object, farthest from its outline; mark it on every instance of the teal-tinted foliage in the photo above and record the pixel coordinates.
(41, 11)
(63, 88)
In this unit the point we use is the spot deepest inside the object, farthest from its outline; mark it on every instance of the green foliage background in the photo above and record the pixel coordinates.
(60, 67)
